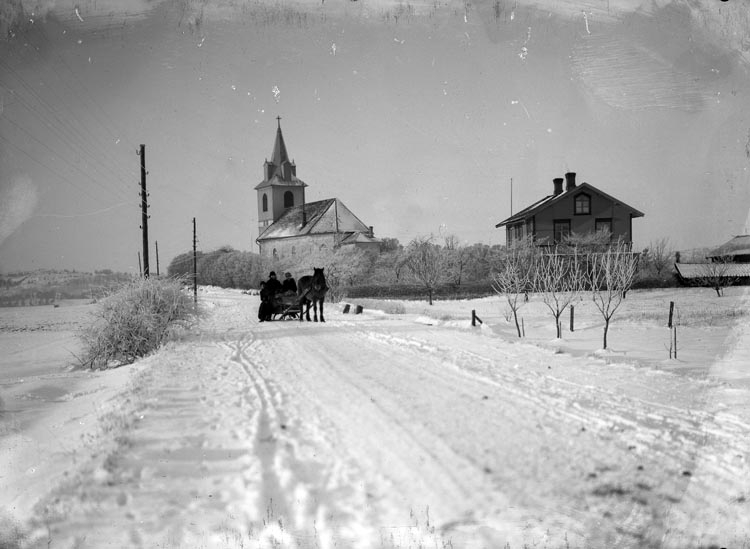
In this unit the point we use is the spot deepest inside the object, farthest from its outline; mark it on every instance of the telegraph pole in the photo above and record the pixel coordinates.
(195, 266)
(144, 210)
(511, 196)
(156, 244)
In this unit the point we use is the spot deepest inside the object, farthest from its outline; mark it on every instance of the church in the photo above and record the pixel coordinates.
(289, 226)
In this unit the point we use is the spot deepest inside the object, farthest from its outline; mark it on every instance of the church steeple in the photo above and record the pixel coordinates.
(279, 155)
(279, 165)
(280, 188)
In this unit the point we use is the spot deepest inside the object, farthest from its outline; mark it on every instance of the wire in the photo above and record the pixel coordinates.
(43, 165)
(77, 133)
(97, 212)
(61, 157)
(67, 136)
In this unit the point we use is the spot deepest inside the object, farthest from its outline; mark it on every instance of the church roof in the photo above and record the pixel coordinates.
(360, 238)
(294, 181)
(322, 217)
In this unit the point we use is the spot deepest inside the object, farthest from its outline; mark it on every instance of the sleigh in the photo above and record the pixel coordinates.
(286, 306)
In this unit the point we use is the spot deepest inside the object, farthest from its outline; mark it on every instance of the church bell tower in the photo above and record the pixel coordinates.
(280, 188)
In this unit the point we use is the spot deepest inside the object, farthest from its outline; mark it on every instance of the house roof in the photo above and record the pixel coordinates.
(549, 200)
(692, 271)
(739, 245)
(322, 217)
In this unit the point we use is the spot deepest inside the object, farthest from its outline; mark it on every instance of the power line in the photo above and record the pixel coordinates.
(64, 130)
(54, 153)
(75, 131)
(53, 172)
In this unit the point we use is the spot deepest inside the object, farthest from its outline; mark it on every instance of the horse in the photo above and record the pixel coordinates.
(311, 289)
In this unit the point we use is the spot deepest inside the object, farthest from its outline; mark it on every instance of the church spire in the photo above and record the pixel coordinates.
(279, 155)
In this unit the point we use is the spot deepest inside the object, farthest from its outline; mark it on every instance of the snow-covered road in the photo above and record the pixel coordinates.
(386, 431)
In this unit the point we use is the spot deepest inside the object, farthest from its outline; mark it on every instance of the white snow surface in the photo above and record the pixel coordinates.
(386, 430)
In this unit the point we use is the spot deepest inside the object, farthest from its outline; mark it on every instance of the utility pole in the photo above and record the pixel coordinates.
(139, 263)
(144, 210)
(156, 244)
(511, 196)
(195, 266)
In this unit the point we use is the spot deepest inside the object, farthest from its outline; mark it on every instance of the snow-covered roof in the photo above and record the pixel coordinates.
(293, 181)
(692, 271)
(360, 238)
(321, 217)
(739, 245)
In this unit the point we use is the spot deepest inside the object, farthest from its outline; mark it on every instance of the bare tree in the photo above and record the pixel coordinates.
(514, 278)
(456, 258)
(660, 254)
(717, 274)
(557, 278)
(610, 275)
(426, 263)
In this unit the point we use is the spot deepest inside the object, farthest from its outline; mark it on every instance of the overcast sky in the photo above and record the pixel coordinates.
(415, 114)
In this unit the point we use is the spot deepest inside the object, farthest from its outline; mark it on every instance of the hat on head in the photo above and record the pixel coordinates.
(272, 273)
(287, 275)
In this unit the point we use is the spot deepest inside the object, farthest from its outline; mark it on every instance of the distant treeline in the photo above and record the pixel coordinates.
(461, 270)
(225, 267)
(45, 287)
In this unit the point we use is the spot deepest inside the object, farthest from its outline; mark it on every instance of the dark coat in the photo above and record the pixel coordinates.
(273, 286)
(289, 285)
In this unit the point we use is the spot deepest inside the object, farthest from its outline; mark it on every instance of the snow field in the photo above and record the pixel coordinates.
(414, 430)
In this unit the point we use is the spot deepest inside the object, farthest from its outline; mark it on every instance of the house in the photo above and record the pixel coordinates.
(288, 226)
(576, 208)
(730, 261)
(736, 250)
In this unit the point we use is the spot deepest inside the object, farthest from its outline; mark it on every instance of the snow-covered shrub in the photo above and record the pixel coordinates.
(134, 321)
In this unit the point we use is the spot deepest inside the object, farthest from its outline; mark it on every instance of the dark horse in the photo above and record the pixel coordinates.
(311, 289)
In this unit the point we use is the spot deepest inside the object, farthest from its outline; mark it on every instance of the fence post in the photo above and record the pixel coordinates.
(475, 318)
(346, 308)
(358, 310)
(671, 312)
(572, 316)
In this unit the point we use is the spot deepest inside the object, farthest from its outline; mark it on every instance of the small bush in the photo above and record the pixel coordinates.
(134, 321)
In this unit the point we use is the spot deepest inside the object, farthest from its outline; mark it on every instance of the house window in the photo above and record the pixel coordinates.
(265, 202)
(288, 199)
(275, 254)
(603, 224)
(582, 204)
(515, 232)
(561, 229)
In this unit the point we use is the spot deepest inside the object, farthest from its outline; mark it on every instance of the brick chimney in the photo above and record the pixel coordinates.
(371, 232)
(558, 182)
(570, 181)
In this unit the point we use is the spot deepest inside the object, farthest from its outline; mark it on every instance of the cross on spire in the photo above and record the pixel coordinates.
(278, 119)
